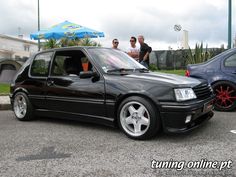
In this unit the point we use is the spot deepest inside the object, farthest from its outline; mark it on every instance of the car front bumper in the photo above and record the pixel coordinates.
(174, 115)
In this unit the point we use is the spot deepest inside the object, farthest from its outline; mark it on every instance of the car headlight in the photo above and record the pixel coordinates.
(183, 94)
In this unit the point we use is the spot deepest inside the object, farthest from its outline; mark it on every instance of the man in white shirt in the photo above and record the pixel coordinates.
(133, 50)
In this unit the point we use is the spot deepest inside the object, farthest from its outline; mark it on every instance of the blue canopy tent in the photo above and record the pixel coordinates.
(66, 30)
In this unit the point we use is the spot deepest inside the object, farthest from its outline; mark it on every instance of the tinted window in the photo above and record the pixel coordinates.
(58, 66)
(70, 63)
(41, 63)
(231, 61)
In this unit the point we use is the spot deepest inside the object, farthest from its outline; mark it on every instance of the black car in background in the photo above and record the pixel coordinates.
(106, 86)
(220, 72)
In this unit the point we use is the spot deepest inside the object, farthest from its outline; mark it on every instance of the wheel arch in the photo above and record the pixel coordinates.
(222, 80)
(222, 105)
(143, 95)
(20, 89)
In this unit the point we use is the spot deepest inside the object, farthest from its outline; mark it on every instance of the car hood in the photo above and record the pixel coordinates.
(171, 79)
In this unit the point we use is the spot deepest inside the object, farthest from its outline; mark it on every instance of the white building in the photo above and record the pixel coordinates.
(16, 47)
(184, 43)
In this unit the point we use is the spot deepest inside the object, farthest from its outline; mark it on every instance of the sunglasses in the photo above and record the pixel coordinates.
(116, 42)
(132, 41)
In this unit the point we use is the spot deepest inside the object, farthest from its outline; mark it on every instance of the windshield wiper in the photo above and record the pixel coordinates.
(120, 70)
(143, 70)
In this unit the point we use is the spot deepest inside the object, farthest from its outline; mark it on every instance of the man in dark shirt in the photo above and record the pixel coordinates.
(145, 50)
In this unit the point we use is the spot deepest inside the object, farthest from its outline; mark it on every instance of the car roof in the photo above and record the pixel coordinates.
(220, 56)
(73, 48)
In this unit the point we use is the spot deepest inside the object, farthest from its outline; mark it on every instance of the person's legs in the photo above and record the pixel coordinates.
(144, 64)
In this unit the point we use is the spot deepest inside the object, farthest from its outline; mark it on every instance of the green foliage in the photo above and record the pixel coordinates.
(199, 55)
(50, 44)
(88, 42)
(178, 71)
(4, 89)
(153, 67)
(66, 42)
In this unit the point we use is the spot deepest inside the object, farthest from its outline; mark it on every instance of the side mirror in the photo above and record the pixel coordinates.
(87, 74)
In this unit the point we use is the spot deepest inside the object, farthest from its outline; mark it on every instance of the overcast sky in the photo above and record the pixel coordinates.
(206, 20)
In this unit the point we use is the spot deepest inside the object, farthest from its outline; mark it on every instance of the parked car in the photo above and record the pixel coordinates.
(106, 86)
(220, 72)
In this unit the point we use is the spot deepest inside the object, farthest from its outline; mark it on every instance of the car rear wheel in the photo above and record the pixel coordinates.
(22, 107)
(225, 96)
(138, 118)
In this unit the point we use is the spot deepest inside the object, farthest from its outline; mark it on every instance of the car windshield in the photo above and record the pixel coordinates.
(115, 60)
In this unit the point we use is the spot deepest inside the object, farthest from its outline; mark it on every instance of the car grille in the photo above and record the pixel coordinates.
(203, 91)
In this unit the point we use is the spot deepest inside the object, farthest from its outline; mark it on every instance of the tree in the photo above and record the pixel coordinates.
(198, 55)
(66, 42)
(88, 42)
(50, 44)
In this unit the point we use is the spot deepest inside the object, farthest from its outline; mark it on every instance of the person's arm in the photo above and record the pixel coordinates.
(133, 54)
(146, 56)
(149, 50)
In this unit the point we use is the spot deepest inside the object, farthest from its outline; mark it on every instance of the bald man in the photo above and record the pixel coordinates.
(144, 52)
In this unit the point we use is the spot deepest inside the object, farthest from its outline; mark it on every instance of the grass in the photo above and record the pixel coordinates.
(178, 72)
(4, 89)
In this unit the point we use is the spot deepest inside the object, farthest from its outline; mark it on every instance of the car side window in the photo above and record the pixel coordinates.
(40, 65)
(70, 63)
(231, 61)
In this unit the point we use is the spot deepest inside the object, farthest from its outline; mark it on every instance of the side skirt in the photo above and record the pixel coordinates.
(73, 116)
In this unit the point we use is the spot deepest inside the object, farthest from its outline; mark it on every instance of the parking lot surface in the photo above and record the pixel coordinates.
(51, 147)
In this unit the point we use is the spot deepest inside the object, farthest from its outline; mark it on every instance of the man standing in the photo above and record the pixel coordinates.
(145, 50)
(133, 50)
(115, 44)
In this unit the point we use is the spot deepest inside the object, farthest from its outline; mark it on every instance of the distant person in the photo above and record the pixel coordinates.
(133, 50)
(144, 52)
(115, 44)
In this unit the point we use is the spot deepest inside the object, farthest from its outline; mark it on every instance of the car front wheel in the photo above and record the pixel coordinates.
(138, 118)
(22, 107)
(225, 96)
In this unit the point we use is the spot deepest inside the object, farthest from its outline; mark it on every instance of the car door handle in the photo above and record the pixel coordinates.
(50, 83)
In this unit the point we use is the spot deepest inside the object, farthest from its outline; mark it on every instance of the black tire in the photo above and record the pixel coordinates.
(150, 111)
(225, 96)
(28, 115)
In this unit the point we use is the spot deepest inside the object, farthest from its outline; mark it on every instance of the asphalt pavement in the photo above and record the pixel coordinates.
(51, 147)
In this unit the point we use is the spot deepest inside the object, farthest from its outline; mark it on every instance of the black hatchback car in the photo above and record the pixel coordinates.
(106, 86)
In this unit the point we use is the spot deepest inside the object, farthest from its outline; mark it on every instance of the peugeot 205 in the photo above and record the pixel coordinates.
(106, 86)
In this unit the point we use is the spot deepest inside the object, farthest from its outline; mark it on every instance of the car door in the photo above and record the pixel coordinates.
(68, 93)
(35, 84)
(229, 66)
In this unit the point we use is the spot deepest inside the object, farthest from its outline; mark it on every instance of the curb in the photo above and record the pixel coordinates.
(5, 102)
(5, 106)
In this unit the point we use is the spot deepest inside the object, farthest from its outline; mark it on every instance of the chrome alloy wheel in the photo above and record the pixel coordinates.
(134, 118)
(20, 106)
